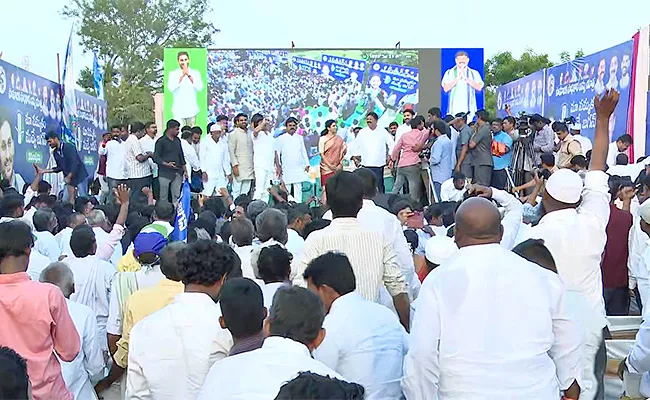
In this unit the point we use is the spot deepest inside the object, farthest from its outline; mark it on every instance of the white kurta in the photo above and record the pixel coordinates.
(185, 104)
(47, 245)
(215, 161)
(293, 158)
(191, 158)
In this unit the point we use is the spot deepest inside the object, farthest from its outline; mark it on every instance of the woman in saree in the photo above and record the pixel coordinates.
(332, 149)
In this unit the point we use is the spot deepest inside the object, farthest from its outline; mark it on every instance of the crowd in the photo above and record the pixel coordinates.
(479, 294)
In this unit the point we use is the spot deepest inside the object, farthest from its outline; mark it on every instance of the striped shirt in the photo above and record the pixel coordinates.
(134, 168)
(371, 254)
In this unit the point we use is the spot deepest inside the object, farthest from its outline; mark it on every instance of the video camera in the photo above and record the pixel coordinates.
(522, 124)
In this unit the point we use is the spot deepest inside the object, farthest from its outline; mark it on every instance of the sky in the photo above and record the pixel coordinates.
(496, 25)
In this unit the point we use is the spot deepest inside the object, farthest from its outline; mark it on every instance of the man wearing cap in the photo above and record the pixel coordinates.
(463, 155)
(585, 142)
(573, 210)
(544, 141)
(215, 161)
(437, 250)
(68, 161)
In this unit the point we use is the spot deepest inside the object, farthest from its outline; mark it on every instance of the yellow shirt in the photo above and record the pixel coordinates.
(138, 306)
(569, 148)
(128, 263)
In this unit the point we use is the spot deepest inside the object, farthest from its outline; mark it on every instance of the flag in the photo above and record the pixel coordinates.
(68, 99)
(183, 211)
(98, 78)
(398, 45)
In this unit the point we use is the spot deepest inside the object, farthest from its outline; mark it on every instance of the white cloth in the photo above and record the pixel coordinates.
(93, 280)
(263, 151)
(366, 343)
(172, 350)
(101, 236)
(88, 367)
(215, 162)
(511, 221)
(134, 168)
(244, 253)
(184, 91)
(585, 143)
(46, 245)
(148, 145)
(489, 324)
(295, 243)
(278, 361)
(268, 291)
(192, 162)
(402, 129)
(373, 146)
(115, 163)
(638, 361)
(263, 179)
(631, 170)
(63, 240)
(37, 263)
(448, 191)
(375, 218)
(293, 158)
(612, 152)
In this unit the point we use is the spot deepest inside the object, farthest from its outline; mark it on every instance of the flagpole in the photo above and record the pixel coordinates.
(58, 68)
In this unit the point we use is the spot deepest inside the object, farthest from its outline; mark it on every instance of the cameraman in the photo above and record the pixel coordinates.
(548, 168)
(523, 156)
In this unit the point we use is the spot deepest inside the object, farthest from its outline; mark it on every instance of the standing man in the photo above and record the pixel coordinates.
(148, 145)
(408, 115)
(240, 146)
(373, 144)
(168, 155)
(223, 121)
(480, 146)
(138, 170)
(463, 155)
(115, 160)
(215, 161)
(440, 162)
(408, 167)
(462, 83)
(544, 140)
(567, 148)
(292, 163)
(585, 142)
(101, 169)
(68, 161)
(192, 164)
(185, 83)
(501, 155)
(263, 157)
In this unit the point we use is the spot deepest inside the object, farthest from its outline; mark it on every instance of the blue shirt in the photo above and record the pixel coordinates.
(441, 162)
(503, 162)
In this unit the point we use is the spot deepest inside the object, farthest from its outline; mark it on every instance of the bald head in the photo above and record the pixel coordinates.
(59, 274)
(478, 222)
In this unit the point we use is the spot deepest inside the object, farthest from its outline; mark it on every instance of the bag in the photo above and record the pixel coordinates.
(498, 148)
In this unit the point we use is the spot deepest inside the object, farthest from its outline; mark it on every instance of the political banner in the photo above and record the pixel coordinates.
(462, 81)
(307, 64)
(30, 106)
(183, 212)
(525, 95)
(185, 90)
(343, 68)
(394, 82)
(572, 86)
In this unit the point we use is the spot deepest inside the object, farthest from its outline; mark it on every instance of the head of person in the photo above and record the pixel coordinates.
(460, 121)
(151, 128)
(147, 247)
(392, 128)
(298, 216)
(462, 60)
(459, 180)
(274, 264)
(83, 205)
(509, 123)
(60, 275)
(330, 128)
(330, 276)
(315, 225)
(186, 134)
(548, 161)
(169, 263)
(223, 121)
(241, 121)
(53, 139)
(164, 211)
(579, 163)
(438, 128)
(311, 386)
(14, 380)
(622, 159)
(403, 209)
(242, 308)
(560, 129)
(197, 132)
(482, 117)
(344, 192)
(115, 131)
(563, 190)
(438, 250)
(625, 65)
(434, 114)
(271, 224)
(538, 122)
(16, 242)
(535, 251)
(215, 131)
(7, 146)
(369, 181)
(97, 219)
(356, 130)
(291, 124)
(242, 232)
(255, 208)
(417, 123)
(297, 314)
(257, 119)
(83, 242)
(497, 125)
(205, 266)
(183, 59)
(477, 222)
(172, 128)
(371, 120)
(624, 142)
(45, 220)
(408, 115)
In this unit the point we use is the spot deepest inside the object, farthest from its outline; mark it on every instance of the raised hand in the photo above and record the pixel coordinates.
(606, 103)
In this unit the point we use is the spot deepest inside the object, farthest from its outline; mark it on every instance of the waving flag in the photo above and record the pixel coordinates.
(69, 101)
(183, 212)
(98, 77)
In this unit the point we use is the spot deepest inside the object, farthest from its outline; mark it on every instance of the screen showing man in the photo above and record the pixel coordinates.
(185, 83)
(461, 84)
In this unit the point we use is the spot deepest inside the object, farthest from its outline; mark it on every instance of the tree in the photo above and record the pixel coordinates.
(129, 37)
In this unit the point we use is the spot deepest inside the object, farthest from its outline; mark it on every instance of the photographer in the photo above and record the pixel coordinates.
(548, 168)
(523, 155)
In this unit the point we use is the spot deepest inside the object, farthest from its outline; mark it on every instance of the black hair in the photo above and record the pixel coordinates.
(209, 226)
(548, 159)
(242, 307)
(416, 121)
(14, 380)
(196, 130)
(315, 225)
(511, 119)
(311, 386)
(497, 120)
(459, 176)
(44, 187)
(239, 116)
(344, 194)
(579, 161)
(137, 127)
(256, 119)
(42, 218)
(483, 115)
(622, 159)
(148, 124)
(296, 314)
(440, 127)
(290, 120)
(395, 124)
(535, 251)
(172, 123)
(205, 262)
(222, 118)
(374, 115)
(625, 138)
(369, 181)
(435, 111)
(10, 203)
(274, 264)
(225, 231)
(408, 110)
(215, 204)
(400, 205)
(328, 123)
(80, 203)
(412, 239)
(448, 118)
(334, 270)
(47, 200)
(15, 238)
(186, 128)
(182, 53)
(82, 241)
(165, 211)
(186, 134)
(559, 127)
(461, 53)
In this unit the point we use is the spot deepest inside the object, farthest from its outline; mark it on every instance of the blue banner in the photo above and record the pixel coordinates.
(462, 83)
(571, 88)
(523, 95)
(307, 64)
(342, 68)
(183, 211)
(30, 106)
(392, 80)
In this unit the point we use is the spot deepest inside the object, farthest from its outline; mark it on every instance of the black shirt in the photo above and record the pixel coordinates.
(168, 150)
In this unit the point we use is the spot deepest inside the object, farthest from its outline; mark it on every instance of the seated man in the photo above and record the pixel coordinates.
(453, 189)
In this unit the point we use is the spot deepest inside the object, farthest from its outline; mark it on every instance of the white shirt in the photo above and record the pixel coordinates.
(37, 263)
(638, 361)
(101, 236)
(268, 291)
(488, 325)
(293, 158)
(263, 151)
(637, 266)
(115, 163)
(46, 245)
(448, 191)
(295, 243)
(89, 363)
(244, 253)
(215, 157)
(585, 143)
(192, 162)
(63, 240)
(579, 265)
(172, 350)
(184, 104)
(366, 343)
(148, 144)
(612, 152)
(631, 170)
(373, 146)
(402, 129)
(278, 361)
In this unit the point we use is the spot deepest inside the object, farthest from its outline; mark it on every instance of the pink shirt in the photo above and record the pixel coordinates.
(405, 145)
(105, 251)
(34, 321)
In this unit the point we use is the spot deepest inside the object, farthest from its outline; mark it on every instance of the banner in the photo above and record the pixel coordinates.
(342, 68)
(183, 211)
(185, 86)
(571, 88)
(30, 106)
(523, 95)
(307, 65)
(392, 82)
(462, 81)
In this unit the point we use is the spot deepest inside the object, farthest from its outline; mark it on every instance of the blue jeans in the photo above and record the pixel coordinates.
(436, 190)
(82, 190)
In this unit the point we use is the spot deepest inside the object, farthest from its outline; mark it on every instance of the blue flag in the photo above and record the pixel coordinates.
(98, 77)
(69, 103)
(183, 212)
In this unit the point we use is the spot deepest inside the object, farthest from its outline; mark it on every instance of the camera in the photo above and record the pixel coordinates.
(570, 120)
(544, 174)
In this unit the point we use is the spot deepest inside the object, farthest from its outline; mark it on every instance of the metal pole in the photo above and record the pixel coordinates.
(58, 68)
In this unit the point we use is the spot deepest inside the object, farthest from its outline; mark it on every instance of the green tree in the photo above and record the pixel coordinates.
(129, 37)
